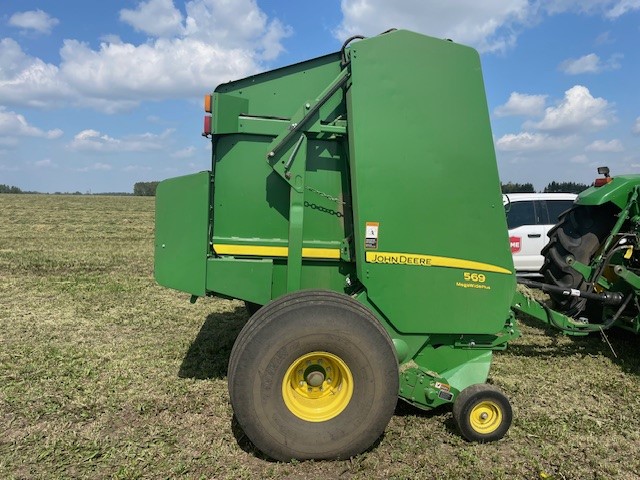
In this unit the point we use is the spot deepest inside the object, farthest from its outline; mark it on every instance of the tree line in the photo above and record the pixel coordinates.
(142, 189)
(145, 189)
(553, 187)
(148, 189)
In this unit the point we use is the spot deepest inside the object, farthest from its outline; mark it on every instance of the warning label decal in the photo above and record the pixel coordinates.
(371, 235)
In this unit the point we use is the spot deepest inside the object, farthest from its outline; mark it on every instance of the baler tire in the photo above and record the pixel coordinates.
(482, 413)
(580, 233)
(289, 410)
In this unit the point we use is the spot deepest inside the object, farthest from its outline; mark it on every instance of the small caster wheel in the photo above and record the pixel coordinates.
(482, 413)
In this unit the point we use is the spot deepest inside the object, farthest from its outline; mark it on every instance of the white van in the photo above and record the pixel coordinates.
(530, 216)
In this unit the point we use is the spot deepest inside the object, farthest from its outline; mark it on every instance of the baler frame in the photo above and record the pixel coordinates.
(358, 296)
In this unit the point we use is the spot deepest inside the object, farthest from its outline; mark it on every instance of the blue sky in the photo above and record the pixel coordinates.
(95, 96)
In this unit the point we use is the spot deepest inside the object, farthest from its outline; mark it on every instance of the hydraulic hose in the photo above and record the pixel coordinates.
(607, 298)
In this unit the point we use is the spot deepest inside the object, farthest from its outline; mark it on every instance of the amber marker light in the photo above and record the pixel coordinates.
(602, 181)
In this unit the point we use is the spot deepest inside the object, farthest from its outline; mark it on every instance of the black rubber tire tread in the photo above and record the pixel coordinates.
(469, 398)
(580, 232)
(284, 330)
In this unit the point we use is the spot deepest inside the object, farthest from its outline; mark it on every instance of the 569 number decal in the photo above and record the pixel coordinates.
(474, 277)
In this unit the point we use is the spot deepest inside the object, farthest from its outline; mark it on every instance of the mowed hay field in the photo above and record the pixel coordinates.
(104, 374)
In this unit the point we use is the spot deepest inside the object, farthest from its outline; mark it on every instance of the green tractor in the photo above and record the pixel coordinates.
(592, 256)
(338, 206)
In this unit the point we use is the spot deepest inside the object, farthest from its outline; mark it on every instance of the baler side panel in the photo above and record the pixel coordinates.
(251, 201)
(424, 172)
(182, 228)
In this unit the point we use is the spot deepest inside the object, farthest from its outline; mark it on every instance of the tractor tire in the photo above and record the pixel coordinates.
(580, 233)
(483, 413)
(313, 375)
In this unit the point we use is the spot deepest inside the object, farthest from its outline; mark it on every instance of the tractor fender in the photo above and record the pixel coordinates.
(617, 191)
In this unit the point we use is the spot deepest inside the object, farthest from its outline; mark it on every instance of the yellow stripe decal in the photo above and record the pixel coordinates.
(267, 251)
(431, 261)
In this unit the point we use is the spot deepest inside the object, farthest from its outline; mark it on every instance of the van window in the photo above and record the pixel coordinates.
(521, 213)
(555, 208)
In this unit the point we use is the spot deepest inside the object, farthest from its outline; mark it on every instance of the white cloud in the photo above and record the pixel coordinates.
(95, 166)
(579, 159)
(590, 63)
(271, 42)
(235, 24)
(136, 168)
(45, 163)
(608, 8)
(604, 38)
(8, 142)
(487, 25)
(28, 81)
(579, 110)
(522, 104)
(163, 69)
(13, 124)
(33, 20)
(184, 153)
(159, 18)
(217, 41)
(101, 166)
(527, 141)
(92, 140)
(586, 64)
(614, 145)
(636, 126)
(8, 168)
(623, 6)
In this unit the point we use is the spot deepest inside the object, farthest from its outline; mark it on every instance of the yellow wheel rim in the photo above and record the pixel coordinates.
(486, 417)
(317, 386)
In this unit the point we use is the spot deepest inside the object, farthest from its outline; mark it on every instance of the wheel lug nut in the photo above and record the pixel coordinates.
(301, 383)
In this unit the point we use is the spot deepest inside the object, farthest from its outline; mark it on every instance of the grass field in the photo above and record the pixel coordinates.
(104, 374)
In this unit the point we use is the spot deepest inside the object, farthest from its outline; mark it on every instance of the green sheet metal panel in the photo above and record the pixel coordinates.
(248, 280)
(279, 93)
(182, 226)
(250, 201)
(617, 191)
(424, 180)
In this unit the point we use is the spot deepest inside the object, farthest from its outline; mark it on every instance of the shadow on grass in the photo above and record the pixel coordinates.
(624, 343)
(208, 354)
(405, 409)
